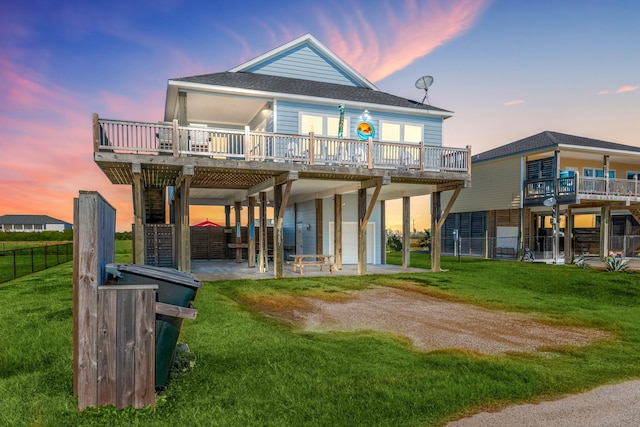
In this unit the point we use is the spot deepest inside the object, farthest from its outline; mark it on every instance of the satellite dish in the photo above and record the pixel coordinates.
(423, 83)
(549, 202)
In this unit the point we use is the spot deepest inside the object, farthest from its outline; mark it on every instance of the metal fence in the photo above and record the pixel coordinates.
(20, 262)
(541, 247)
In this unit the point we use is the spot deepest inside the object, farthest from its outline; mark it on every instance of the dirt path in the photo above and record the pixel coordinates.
(434, 323)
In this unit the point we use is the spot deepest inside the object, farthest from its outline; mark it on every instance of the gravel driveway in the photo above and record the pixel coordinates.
(608, 406)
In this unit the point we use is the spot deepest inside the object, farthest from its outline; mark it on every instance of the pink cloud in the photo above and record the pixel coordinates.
(514, 102)
(47, 158)
(603, 92)
(144, 108)
(627, 88)
(409, 31)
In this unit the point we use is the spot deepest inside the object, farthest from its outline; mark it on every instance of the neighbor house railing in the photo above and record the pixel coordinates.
(572, 189)
(171, 139)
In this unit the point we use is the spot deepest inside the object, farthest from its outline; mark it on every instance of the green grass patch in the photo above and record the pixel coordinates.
(251, 370)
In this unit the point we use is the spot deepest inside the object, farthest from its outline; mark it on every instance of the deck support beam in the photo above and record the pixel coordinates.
(280, 199)
(139, 215)
(383, 234)
(437, 221)
(568, 236)
(319, 236)
(262, 238)
(364, 213)
(251, 231)
(337, 231)
(183, 232)
(237, 208)
(605, 221)
(406, 231)
(435, 232)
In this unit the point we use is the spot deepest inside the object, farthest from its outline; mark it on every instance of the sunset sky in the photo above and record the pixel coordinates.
(507, 68)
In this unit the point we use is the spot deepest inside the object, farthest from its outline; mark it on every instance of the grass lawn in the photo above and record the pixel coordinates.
(254, 371)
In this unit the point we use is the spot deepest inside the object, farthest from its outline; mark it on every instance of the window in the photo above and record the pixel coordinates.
(597, 173)
(633, 174)
(397, 132)
(322, 125)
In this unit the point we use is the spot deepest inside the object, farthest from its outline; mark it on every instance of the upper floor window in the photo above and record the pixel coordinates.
(597, 173)
(633, 174)
(398, 132)
(323, 125)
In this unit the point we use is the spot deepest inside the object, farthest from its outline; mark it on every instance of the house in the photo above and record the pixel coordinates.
(296, 129)
(31, 223)
(558, 195)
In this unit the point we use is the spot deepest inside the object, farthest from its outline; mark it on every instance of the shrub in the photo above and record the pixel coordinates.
(616, 264)
(581, 262)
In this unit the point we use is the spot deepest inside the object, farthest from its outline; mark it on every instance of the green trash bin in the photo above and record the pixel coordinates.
(175, 288)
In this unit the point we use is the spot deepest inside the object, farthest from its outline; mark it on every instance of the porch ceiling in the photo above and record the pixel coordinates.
(219, 182)
(223, 109)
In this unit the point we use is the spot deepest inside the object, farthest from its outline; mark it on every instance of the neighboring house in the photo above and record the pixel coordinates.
(558, 195)
(32, 223)
(296, 129)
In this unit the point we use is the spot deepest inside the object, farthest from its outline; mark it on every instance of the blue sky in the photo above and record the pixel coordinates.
(507, 68)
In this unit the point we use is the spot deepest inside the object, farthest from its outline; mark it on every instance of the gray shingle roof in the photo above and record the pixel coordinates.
(549, 139)
(278, 84)
(30, 219)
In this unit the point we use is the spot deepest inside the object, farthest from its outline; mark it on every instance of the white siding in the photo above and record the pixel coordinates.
(303, 62)
(350, 215)
(495, 185)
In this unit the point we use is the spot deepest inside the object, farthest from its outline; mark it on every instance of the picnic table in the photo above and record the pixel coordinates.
(299, 261)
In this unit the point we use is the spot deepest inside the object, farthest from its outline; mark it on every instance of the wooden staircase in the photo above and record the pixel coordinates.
(635, 213)
(154, 205)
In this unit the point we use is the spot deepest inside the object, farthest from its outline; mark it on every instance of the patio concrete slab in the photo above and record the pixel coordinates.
(212, 270)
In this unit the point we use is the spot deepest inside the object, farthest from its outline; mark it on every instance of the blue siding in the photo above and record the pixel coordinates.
(307, 215)
(288, 120)
(304, 62)
(289, 226)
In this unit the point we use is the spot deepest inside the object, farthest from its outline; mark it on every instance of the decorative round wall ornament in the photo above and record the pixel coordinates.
(365, 128)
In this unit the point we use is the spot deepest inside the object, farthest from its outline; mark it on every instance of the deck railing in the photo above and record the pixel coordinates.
(243, 144)
(577, 187)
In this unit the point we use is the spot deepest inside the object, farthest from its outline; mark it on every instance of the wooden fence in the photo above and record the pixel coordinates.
(113, 326)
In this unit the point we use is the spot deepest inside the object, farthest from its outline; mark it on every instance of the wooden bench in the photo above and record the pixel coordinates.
(321, 260)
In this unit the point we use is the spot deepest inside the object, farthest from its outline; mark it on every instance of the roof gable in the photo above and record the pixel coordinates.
(548, 139)
(308, 59)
